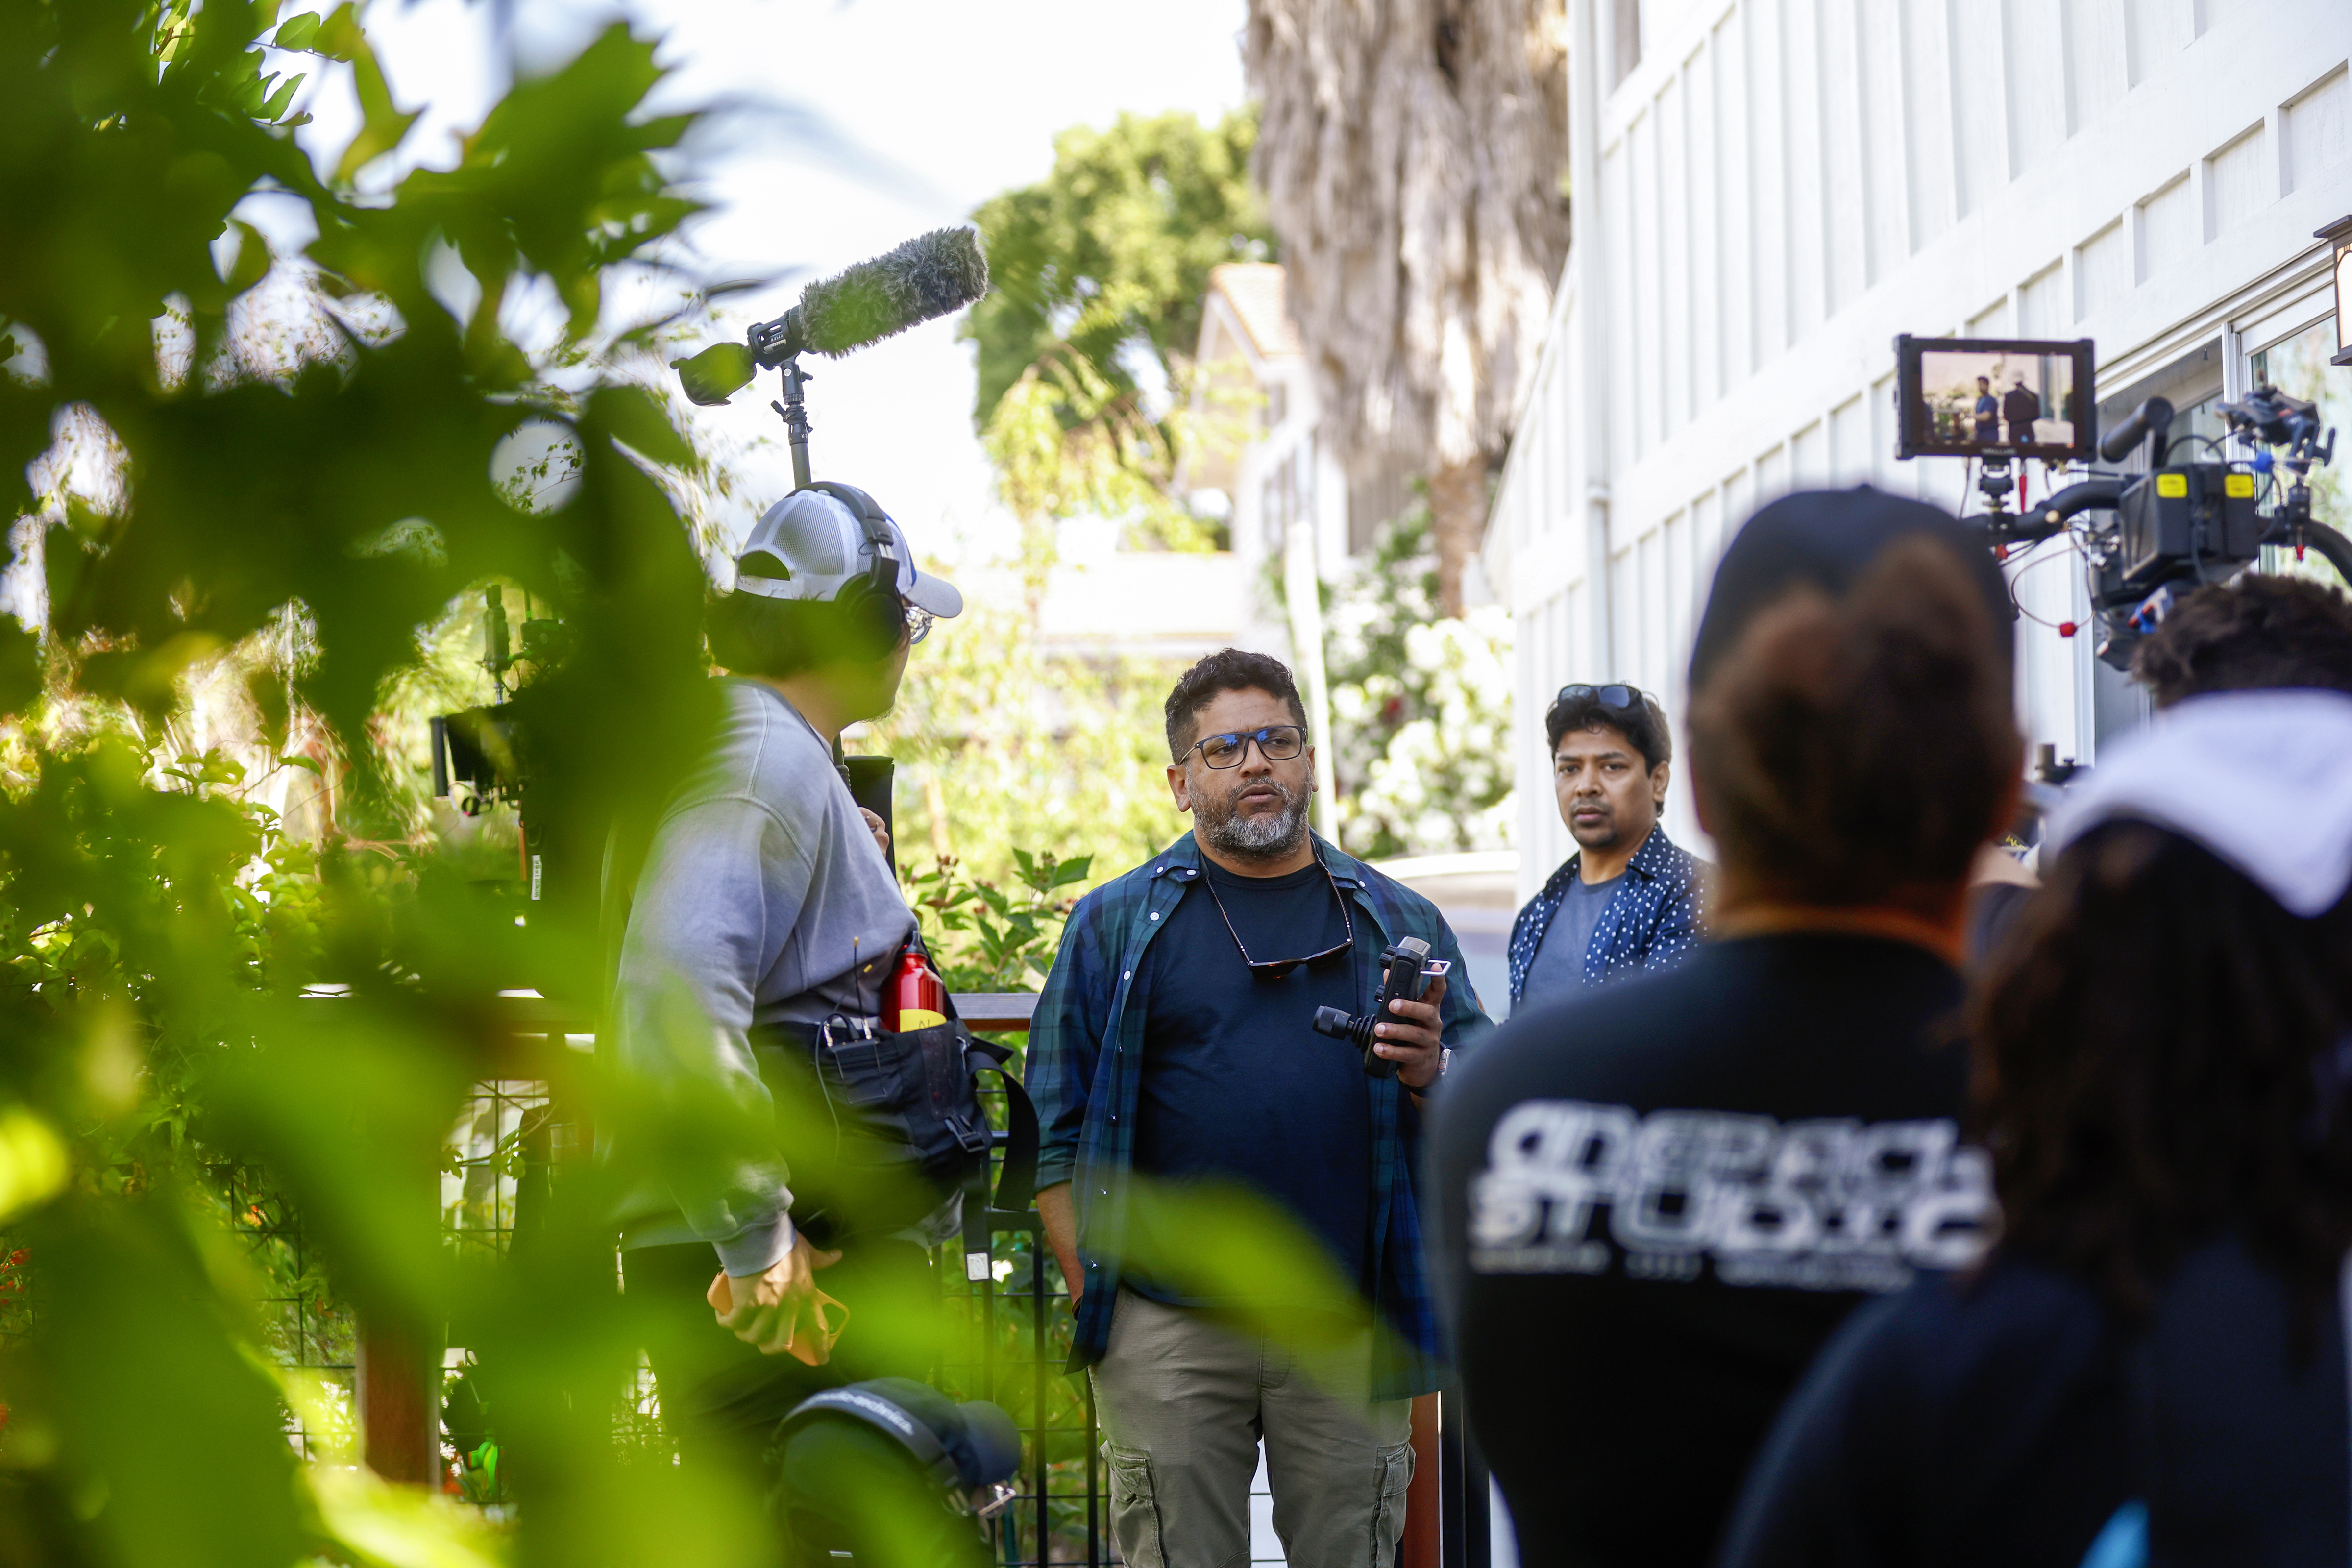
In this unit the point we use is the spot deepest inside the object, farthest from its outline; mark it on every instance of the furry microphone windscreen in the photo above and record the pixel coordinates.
(929, 276)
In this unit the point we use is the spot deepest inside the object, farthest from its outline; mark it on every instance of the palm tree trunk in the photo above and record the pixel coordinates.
(1411, 153)
(1457, 512)
(1302, 591)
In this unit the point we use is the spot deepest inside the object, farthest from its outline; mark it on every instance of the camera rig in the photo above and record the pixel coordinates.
(2166, 530)
(1406, 970)
(2179, 526)
(479, 754)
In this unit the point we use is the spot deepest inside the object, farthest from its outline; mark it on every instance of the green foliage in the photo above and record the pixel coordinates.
(1101, 265)
(985, 741)
(1114, 245)
(283, 536)
(1420, 706)
(1065, 442)
(1003, 750)
(248, 977)
(997, 941)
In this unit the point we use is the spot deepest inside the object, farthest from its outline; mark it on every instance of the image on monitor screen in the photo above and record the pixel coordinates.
(2017, 400)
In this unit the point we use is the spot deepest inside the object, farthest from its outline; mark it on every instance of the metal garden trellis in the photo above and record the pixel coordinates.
(1016, 1339)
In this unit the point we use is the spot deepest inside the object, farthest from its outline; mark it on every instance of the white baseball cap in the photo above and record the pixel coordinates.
(814, 541)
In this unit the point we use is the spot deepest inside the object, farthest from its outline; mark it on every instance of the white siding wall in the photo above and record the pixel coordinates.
(1783, 185)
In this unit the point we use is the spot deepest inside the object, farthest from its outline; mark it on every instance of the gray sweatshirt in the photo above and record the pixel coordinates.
(764, 898)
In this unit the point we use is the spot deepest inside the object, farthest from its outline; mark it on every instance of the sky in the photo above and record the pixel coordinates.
(854, 125)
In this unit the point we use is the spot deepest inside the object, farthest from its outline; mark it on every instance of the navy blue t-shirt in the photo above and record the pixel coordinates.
(1236, 1084)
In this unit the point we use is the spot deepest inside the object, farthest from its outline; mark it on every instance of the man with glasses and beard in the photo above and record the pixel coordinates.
(1173, 1057)
(1628, 899)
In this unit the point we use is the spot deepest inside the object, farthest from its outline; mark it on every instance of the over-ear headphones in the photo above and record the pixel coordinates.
(873, 617)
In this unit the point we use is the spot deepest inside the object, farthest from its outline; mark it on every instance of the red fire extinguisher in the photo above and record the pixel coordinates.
(915, 998)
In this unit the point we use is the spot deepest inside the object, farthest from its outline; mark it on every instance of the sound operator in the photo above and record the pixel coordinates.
(765, 907)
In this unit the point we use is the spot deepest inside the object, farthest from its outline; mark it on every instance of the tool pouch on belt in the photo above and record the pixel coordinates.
(881, 1130)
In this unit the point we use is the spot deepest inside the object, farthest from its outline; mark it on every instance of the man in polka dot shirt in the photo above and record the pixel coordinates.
(1628, 898)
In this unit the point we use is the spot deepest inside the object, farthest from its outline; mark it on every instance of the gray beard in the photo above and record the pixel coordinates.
(1226, 830)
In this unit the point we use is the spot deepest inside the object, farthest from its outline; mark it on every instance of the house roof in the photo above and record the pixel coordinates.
(1255, 289)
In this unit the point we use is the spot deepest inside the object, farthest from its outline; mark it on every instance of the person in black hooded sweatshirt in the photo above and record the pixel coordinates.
(1655, 1202)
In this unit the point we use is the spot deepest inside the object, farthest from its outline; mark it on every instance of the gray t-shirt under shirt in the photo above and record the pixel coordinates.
(1558, 970)
(764, 898)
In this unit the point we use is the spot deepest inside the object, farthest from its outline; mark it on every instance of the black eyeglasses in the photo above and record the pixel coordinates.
(1275, 969)
(1611, 696)
(1275, 743)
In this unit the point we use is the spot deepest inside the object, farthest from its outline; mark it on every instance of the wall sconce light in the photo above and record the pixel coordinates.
(2340, 236)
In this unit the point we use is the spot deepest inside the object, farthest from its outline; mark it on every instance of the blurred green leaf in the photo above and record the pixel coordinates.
(383, 126)
(33, 1162)
(169, 1434)
(20, 667)
(251, 263)
(384, 1526)
(301, 33)
(248, 970)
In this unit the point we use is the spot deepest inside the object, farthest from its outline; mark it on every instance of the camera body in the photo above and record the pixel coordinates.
(2185, 519)
(1404, 970)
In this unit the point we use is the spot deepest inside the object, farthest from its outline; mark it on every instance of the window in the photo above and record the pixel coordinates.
(1625, 33)
(2298, 366)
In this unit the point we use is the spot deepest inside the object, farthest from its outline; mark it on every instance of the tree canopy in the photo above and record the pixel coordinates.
(1085, 348)
(1111, 251)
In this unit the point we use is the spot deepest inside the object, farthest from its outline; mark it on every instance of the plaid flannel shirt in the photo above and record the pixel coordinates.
(1650, 921)
(1087, 1095)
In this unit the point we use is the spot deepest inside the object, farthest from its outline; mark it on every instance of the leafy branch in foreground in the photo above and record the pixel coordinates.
(187, 987)
(998, 940)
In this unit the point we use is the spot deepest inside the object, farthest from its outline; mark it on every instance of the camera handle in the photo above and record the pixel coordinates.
(1405, 970)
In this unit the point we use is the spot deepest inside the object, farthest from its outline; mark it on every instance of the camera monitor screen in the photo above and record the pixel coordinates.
(1976, 397)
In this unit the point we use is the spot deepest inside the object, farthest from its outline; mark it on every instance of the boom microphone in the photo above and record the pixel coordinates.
(929, 276)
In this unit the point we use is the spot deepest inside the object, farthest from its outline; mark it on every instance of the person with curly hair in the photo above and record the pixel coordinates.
(2258, 633)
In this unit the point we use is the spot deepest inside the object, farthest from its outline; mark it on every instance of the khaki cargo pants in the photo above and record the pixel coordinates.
(1183, 1403)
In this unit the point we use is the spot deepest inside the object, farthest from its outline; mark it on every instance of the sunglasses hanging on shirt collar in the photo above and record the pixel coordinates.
(1278, 968)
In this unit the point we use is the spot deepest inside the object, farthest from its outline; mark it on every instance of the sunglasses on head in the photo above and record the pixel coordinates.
(1624, 698)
